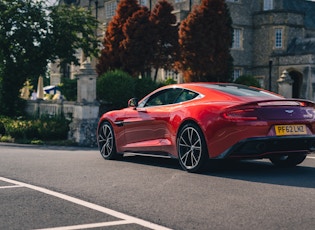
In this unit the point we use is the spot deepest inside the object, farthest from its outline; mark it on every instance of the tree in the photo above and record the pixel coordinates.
(111, 54)
(31, 36)
(137, 40)
(138, 43)
(166, 46)
(23, 31)
(205, 38)
(72, 28)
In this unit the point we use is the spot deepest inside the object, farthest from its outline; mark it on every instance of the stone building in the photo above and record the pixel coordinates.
(270, 37)
(273, 36)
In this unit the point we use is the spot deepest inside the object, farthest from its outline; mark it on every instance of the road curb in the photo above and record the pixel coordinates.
(53, 147)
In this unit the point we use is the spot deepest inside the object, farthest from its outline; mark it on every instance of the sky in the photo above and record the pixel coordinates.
(51, 2)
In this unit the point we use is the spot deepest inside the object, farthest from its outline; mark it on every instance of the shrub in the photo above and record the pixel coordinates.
(21, 129)
(37, 142)
(144, 86)
(55, 128)
(170, 81)
(248, 80)
(43, 128)
(116, 87)
(2, 129)
(8, 139)
(68, 88)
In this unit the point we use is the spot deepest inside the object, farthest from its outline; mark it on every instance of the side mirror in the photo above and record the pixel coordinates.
(133, 102)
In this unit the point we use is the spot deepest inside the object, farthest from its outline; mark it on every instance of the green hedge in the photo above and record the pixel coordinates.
(248, 80)
(144, 86)
(116, 87)
(44, 128)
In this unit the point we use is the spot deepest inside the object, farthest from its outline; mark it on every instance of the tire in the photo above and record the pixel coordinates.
(288, 161)
(191, 148)
(106, 142)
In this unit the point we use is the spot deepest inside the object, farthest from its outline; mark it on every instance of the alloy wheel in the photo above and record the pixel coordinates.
(106, 141)
(190, 148)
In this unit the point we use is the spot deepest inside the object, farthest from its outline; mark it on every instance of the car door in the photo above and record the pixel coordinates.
(146, 126)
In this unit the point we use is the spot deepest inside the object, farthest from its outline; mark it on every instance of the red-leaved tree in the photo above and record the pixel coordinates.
(205, 38)
(166, 46)
(138, 48)
(113, 50)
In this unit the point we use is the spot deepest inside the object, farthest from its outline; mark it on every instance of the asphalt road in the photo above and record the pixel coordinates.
(71, 188)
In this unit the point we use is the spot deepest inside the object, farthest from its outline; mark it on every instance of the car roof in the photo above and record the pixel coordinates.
(216, 91)
(228, 89)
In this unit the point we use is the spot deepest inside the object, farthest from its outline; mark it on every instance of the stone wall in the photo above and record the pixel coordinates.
(84, 113)
(51, 108)
(304, 65)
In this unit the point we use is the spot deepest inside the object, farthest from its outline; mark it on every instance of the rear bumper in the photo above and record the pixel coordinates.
(264, 147)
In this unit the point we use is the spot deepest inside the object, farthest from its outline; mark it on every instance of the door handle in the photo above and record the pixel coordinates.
(142, 110)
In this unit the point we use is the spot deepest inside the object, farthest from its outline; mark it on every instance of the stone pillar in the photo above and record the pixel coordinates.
(285, 85)
(55, 78)
(86, 84)
(85, 113)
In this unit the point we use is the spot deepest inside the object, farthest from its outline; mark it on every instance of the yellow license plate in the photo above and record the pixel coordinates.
(282, 130)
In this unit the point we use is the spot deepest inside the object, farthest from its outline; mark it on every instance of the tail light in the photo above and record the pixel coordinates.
(241, 115)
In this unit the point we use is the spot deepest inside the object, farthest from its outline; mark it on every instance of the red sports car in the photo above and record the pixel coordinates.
(195, 122)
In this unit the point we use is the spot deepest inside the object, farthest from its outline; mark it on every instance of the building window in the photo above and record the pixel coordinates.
(143, 2)
(237, 72)
(278, 38)
(237, 39)
(268, 4)
(110, 9)
(170, 74)
(233, 1)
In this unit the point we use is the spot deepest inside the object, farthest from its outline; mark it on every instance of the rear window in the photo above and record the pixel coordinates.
(241, 91)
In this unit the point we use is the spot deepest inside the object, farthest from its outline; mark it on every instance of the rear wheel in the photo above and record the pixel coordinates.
(106, 142)
(191, 147)
(288, 160)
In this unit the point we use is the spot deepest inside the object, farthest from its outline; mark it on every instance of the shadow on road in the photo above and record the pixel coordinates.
(254, 170)
(153, 161)
(265, 172)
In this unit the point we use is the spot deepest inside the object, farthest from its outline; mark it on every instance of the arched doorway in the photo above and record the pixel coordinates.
(297, 78)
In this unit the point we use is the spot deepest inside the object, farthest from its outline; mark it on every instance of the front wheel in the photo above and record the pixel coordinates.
(288, 160)
(191, 148)
(106, 142)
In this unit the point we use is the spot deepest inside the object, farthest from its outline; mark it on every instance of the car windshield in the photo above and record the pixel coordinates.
(240, 90)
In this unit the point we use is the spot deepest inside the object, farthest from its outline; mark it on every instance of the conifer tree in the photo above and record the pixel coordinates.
(138, 43)
(110, 58)
(166, 46)
(205, 38)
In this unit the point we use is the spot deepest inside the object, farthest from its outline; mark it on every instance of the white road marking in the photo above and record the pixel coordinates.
(125, 217)
(85, 226)
(310, 157)
(10, 186)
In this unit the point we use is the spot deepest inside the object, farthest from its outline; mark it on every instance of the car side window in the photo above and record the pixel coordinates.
(186, 95)
(164, 97)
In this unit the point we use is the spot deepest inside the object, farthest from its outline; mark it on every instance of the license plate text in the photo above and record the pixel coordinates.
(290, 130)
